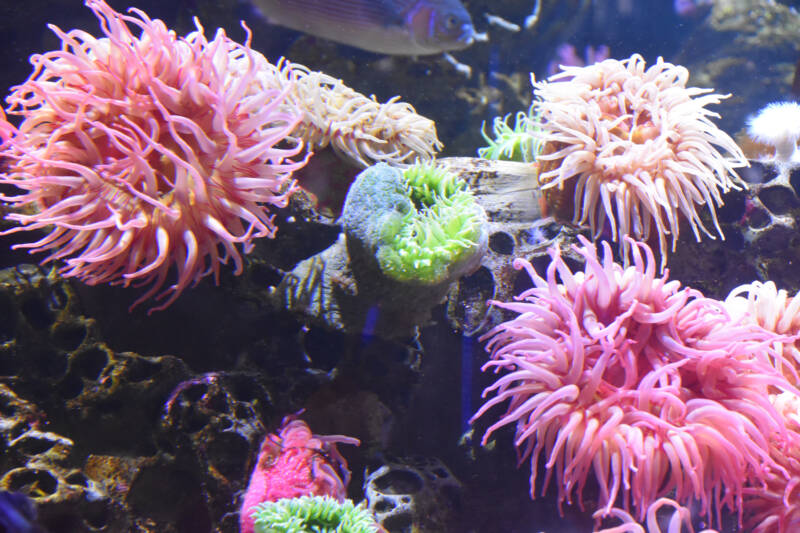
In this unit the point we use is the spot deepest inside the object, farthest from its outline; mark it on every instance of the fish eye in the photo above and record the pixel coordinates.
(451, 22)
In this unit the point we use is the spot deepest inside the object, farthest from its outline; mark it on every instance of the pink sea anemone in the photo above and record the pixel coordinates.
(773, 310)
(6, 130)
(679, 517)
(148, 156)
(654, 389)
(775, 506)
(634, 148)
(296, 463)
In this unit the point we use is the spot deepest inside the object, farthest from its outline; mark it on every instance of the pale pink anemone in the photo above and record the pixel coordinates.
(775, 507)
(293, 463)
(148, 157)
(679, 518)
(773, 310)
(6, 129)
(633, 148)
(655, 390)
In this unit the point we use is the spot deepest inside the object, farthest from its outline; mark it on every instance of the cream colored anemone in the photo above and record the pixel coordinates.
(359, 128)
(634, 147)
(775, 503)
(775, 311)
(771, 308)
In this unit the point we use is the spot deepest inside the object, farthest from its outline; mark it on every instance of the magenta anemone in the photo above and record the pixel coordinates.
(617, 375)
(150, 157)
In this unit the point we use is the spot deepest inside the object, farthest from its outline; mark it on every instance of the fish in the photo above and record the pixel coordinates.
(395, 27)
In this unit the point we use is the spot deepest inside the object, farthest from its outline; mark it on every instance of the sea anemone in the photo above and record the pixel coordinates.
(361, 130)
(775, 311)
(633, 147)
(443, 231)
(653, 388)
(312, 514)
(147, 155)
(295, 463)
(6, 129)
(777, 128)
(678, 517)
(774, 506)
(423, 224)
(519, 143)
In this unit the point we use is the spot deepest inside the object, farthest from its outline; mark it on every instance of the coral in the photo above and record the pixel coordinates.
(139, 430)
(634, 148)
(361, 130)
(90, 450)
(295, 463)
(652, 387)
(441, 236)
(215, 421)
(148, 155)
(414, 494)
(424, 225)
(776, 125)
(312, 514)
(512, 144)
(45, 467)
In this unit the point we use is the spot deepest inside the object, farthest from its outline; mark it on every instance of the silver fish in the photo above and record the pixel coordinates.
(399, 27)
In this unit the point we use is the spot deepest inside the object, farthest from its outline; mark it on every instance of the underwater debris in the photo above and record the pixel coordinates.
(461, 68)
(533, 18)
(499, 21)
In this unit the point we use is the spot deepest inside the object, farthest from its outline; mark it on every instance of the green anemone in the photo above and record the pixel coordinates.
(439, 235)
(312, 514)
(519, 143)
